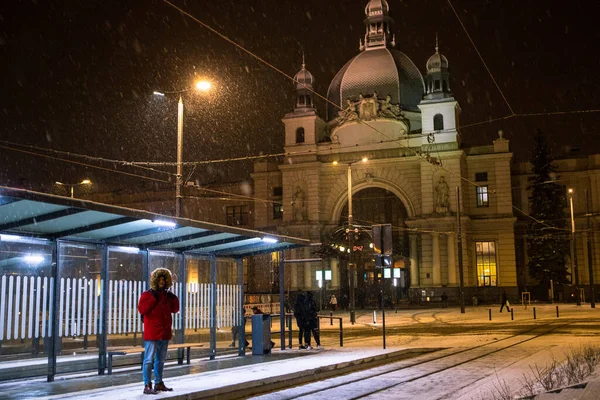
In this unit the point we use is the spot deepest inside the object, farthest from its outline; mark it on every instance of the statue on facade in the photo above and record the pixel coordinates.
(442, 195)
(299, 205)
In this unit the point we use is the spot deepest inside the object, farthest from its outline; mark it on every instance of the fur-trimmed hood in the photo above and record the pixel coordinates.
(156, 274)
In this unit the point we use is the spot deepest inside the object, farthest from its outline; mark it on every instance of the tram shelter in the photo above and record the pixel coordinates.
(71, 272)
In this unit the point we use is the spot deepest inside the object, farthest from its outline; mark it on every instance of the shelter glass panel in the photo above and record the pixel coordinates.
(26, 290)
(80, 305)
(125, 285)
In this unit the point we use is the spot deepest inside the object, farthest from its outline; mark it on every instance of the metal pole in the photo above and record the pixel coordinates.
(102, 351)
(351, 266)
(460, 255)
(54, 304)
(381, 239)
(589, 250)
(574, 250)
(281, 300)
(72, 191)
(323, 286)
(180, 337)
(213, 308)
(179, 182)
(241, 317)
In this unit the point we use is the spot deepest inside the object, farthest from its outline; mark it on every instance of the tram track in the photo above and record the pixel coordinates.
(379, 373)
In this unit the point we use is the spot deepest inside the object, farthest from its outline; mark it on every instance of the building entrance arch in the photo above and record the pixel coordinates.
(376, 205)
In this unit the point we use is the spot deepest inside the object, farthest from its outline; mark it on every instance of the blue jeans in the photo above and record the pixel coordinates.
(155, 351)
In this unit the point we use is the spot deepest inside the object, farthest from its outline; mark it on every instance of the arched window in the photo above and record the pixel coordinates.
(438, 122)
(300, 135)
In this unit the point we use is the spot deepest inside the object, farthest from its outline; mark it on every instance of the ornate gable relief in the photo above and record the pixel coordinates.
(367, 109)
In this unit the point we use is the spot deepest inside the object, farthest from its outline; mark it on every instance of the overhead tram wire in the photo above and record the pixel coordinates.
(85, 156)
(481, 58)
(84, 164)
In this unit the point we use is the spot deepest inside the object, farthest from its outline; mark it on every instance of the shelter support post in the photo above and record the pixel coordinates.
(53, 328)
(213, 307)
(241, 318)
(103, 342)
(282, 300)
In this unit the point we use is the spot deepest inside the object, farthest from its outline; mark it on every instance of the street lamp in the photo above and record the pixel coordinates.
(202, 86)
(574, 250)
(72, 185)
(351, 231)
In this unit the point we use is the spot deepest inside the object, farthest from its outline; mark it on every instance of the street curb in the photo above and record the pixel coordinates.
(251, 388)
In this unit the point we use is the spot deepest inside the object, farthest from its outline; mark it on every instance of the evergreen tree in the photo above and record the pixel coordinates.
(548, 240)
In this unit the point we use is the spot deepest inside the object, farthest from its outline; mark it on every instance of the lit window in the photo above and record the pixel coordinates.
(277, 211)
(485, 254)
(482, 196)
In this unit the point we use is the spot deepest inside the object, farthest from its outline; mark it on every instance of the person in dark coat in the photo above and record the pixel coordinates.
(235, 330)
(504, 301)
(311, 320)
(156, 306)
(299, 315)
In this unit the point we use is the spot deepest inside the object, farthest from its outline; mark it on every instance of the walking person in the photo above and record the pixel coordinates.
(333, 302)
(299, 315)
(311, 320)
(505, 302)
(156, 306)
(444, 300)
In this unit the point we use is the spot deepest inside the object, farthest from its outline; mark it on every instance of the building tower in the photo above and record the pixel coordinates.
(439, 109)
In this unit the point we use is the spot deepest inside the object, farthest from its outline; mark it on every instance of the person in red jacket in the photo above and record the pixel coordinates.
(156, 306)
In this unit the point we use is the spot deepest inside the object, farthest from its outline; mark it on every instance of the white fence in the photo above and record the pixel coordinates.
(26, 303)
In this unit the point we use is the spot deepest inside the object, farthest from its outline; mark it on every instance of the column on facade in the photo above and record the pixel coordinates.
(308, 278)
(415, 279)
(293, 276)
(437, 268)
(452, 280)
(335, 273)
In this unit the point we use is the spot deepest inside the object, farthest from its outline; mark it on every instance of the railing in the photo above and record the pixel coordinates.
(341, 326)
(26, 304)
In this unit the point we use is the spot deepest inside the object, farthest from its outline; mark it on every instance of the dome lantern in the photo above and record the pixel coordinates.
(377, 24)
(437, 81)
(303, 84)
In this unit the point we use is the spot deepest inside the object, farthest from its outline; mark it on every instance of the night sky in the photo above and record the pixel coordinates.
(78, 76)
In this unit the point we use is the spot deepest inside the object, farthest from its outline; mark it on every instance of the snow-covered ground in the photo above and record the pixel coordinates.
(406, 329)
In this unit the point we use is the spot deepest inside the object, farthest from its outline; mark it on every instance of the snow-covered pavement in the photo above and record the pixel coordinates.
(442, 330)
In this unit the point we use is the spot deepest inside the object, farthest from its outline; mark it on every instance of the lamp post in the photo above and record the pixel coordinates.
(72, 185)
(574, 249)
(350, 231)
(203, 86)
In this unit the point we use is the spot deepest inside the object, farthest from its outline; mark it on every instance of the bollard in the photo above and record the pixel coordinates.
(352, 317)
(490, 310)
(512, 316)
(330, 317)
(534, 313)
(374, 317)
(556, 311)
(341, 334)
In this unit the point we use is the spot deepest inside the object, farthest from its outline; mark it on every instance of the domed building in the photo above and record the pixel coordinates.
(388, 151)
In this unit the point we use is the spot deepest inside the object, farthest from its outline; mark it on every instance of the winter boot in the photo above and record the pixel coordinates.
(160, 387)
(148, 389)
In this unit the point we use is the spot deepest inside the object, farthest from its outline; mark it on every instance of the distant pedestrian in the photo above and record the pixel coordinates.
(333, 302)
(505, 302)
(444, 300)
(299, 315)
(156, 306)
(311, 320)
(235, 330)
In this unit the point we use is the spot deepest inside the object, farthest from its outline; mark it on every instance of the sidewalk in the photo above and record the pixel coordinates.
(209, 379)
